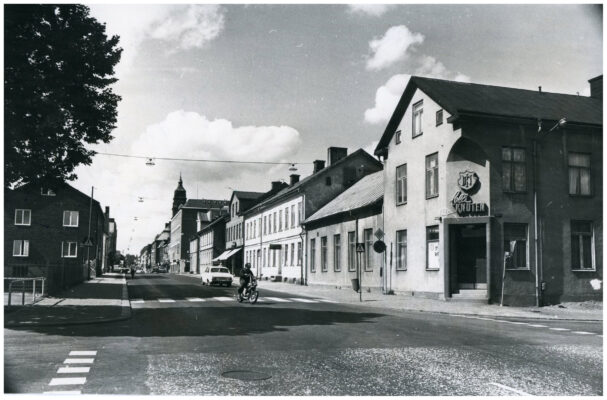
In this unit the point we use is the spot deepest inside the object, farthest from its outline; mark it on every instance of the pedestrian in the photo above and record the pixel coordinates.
(132, 273)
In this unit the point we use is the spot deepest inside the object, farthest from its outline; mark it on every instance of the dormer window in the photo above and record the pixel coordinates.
(47, 192)
(418, 110)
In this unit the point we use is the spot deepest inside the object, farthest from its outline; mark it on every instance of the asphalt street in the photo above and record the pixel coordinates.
(186, 338)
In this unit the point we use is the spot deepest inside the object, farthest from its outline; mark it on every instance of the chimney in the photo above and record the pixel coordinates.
(318, 165)
(294, 179)
(539, 88)
(107, 211)
(276, 186)
(334, 154)
(596, 87)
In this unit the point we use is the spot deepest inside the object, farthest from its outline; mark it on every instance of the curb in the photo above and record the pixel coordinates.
(125, 313)
(455, 313)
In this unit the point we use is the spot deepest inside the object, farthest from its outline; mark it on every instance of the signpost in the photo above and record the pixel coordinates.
(360, 250)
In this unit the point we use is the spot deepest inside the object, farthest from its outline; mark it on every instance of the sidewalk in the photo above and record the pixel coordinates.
(101, 299)
(589, 311)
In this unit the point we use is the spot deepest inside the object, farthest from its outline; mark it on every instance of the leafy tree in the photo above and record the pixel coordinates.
(58, 72)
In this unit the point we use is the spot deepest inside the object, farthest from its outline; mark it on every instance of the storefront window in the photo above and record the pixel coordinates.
(401, 250)
(337, 253)
(368, 249)
(312, 255)
(323, 253)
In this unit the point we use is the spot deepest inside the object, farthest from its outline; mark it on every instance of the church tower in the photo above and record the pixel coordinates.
(179, 197)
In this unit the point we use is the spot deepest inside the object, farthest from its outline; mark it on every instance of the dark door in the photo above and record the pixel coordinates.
(471, 256)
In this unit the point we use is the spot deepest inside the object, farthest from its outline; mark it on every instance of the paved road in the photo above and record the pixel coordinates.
(185, 338)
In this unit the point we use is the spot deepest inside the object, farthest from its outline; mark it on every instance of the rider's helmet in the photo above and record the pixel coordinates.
(247, 266)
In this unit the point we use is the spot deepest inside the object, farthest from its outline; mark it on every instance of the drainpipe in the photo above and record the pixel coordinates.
(538, 294)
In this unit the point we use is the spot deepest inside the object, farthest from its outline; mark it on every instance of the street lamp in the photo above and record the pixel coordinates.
(539, 270)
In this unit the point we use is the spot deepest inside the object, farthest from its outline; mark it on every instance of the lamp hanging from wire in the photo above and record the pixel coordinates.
(150, 162)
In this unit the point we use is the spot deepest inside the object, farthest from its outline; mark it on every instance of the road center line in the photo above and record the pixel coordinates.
(302, 300)
(67, 381)
(166, 300)
(583, 333)
(278, 299)
(73, 370)
(194, 299)
(224, 298)
(559, 329)
(538, 326)
(510, 389)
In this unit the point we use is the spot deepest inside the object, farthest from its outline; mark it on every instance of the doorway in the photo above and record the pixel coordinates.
(469, 256)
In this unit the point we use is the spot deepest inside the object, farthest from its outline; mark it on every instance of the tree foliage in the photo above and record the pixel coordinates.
(58, 72)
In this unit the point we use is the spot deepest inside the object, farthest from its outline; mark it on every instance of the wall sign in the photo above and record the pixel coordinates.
(462, 202)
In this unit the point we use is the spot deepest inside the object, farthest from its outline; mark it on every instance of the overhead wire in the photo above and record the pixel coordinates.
(200, 160)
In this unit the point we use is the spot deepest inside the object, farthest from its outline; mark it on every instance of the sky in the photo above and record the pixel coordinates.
(282, 83)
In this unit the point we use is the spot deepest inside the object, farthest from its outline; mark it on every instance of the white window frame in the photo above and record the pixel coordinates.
(24, 248)
(592, 244)
(417, 112)
(69, 253)
(23, 213)
(401, 264)
(70, 222)
(401, 185)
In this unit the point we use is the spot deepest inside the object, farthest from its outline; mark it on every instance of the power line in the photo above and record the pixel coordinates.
(200, 160)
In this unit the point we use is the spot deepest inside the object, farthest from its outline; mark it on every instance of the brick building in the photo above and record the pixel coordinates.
(483, 182)
(46, 234)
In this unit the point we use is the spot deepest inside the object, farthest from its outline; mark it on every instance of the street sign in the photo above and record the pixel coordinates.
(360, 247)
(379, 247)
(379, 234)
(87, 242)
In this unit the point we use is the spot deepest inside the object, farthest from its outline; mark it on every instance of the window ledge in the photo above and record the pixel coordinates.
(584, 270)
(14, 255)
(401, 270)
(401, 204)
(432, 269)
(431, 197)
(518, 269)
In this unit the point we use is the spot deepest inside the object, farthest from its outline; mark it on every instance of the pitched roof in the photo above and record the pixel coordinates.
(459, 98)
(365, 192)
(247, 195)
(204, 203)
(293, 188)
(216, 221)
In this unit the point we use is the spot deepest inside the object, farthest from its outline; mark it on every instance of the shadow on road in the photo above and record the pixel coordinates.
(211, 321)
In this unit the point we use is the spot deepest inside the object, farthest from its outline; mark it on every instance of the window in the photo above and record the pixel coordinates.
(337, 253)
(270, 224)
(351, 251)
(47, 192)
(432, 249)
(439, 117)
(280, 220)
(264, 258)
(323, 253)
(293, 216)
(21, 248)
(287, 218)
(292, 253)
(275, 222)
(397, 137)
(286, 253)
(401, 184)
(513, 169)
(298, 253)
(418, 110)
(69, 249)
(515, 243)
(312, 255)
(579, 174)
(328, 181)
(70, 218)
(299, 213)
(432, 175)
(265, 225)
(582, 244)
(401, 250)
(273, 257)
(23, 217)
(368, 249)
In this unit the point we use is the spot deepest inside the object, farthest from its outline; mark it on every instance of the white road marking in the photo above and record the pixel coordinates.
(137, 301)
(559, 329)
(510, 389)
(326, 301)
(73, 370)
(79, 360)
(194, 299)
(583, 333)
(303, 300)
(166, 300)
(83, 353)
(278, 299)
(537, 325)
(224, 298)
(58, 392)
(67, 381)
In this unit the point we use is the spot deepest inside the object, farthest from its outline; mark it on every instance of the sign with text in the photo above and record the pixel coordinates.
(462, 202)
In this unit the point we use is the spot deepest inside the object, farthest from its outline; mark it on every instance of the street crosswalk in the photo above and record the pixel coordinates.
(223, 299)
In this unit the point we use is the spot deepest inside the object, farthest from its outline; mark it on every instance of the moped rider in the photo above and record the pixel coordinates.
(246, 275)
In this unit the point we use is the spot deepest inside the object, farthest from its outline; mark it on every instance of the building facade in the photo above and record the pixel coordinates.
(46, 234)
(274, 238)
(212, 243)
(485, 182)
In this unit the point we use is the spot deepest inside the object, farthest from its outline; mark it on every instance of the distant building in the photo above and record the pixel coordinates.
(46, 234)
(333, 231)
(483, 182)
(184, 226)
(212, 242)
(274, 239)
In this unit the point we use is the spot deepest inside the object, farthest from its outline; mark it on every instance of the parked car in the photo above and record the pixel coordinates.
(162, 270)
(216, 276)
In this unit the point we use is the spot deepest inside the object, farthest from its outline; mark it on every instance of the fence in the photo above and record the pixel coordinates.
(57, 276)
(23, 290)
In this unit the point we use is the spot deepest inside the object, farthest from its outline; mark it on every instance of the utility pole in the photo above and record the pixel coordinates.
(88, 238)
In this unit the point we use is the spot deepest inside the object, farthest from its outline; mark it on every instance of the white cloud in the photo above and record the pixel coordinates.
(373, 10)
(386, 99)
(392, 47)
(431, 67)
(192, 27)
(120, 181)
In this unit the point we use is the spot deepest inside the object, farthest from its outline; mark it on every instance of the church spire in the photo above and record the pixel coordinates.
(179, 197)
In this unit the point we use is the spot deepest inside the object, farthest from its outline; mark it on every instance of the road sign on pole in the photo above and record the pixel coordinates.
(379, 234)
(360, 247)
